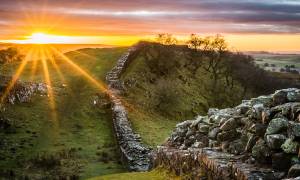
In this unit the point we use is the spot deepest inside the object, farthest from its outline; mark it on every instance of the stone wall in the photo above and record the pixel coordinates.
(257, 139)
(21, 91)
(134, 153)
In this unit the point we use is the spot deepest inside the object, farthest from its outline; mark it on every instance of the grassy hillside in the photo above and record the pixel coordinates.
(157, 174)
(80, 142)
(167, 84)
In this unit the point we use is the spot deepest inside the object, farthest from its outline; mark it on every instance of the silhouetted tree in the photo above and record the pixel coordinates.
(166, 39)
(9, 55)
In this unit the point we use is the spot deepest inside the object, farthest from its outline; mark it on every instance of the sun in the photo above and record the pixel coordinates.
(44, 38)
(40, 38)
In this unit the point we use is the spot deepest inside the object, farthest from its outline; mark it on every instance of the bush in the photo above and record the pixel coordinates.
(166, 96)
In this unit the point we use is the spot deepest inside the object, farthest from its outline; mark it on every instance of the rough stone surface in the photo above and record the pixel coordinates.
(21, 91)
(135, 154)
(294, 171)
(238, 143)
(276, 125)
(275, 141)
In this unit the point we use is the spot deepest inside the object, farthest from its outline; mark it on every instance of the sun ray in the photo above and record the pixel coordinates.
(54, 64)
(48, 83)
(35, 61)
(15, 76)
(98, 84)
(85, 54)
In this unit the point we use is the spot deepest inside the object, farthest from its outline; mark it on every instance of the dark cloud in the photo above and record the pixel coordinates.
(179, 16)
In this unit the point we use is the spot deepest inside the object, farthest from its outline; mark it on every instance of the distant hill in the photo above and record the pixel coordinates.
(61, 47)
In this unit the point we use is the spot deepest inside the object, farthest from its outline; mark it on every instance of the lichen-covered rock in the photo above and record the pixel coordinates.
(294, 129)
(290, 146)
(264, 131)
(276, 125)
(260, 151)
(293, 95)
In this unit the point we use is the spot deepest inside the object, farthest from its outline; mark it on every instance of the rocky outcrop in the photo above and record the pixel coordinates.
(21, 91)
(134, 153)
(259, 139)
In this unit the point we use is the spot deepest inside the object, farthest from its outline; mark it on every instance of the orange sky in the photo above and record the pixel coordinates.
(271, 25)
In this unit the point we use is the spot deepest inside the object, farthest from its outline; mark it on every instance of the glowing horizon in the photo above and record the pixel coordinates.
(249, 42)
(270, 25)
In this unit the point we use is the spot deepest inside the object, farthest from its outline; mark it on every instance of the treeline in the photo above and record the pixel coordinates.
(232, 76)
(10, 54)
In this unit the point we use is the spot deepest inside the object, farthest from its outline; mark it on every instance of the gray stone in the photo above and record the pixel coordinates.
(256, 111)
(281, 161)
(293, 95)
(280, 97)
(195, 123)
(184, 124)
(275, 141)
(294, 171)
(251, 142)
(258, 129)
(202, 128)
(265, 116)
(230, 124)
(276, 125)
(213, 133)
(290, 146)
(261, 152)
(227, 135)
(265, 100)
(294, 129)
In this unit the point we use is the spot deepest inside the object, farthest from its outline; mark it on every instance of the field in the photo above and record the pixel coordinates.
(80, 140)
(279, 60)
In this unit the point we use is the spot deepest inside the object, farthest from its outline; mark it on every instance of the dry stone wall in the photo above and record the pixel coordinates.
(21, 91)
(259, 139)
(135, 154)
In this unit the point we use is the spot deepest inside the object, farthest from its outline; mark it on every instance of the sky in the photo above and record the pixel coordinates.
(272, 25)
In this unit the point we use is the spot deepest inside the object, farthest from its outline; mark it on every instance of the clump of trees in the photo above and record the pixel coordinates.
(10, 55)
(166, 39)
(222, 78)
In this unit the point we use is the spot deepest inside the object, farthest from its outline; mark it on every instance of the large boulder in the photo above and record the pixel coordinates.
(277, 125)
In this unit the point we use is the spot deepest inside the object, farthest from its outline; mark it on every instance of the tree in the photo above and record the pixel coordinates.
(195, 42)
(9, 55)
(166, 39)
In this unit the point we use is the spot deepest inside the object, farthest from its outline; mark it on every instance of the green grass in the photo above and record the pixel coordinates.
(157, 174)
(155, 124)
(79, 125)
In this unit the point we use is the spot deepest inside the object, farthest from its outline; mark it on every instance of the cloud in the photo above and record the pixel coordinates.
(175, 16)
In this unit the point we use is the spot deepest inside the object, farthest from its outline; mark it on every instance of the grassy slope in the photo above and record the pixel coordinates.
(153, 125)
(157, 174)
(79, 125)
